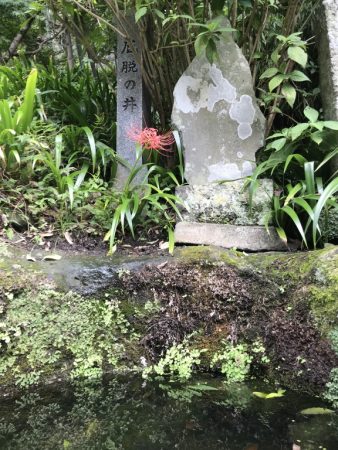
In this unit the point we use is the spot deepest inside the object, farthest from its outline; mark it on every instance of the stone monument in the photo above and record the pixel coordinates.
(221, 128)
(328, 67)
(131, 98)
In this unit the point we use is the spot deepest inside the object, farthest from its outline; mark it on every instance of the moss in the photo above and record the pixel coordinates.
(324, 296)
(45, 333)
(211, 255)
(288, 301)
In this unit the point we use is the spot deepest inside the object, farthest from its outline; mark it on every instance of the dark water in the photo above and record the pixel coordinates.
(127, 413)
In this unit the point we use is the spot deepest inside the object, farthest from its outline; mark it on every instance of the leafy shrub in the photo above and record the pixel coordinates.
(15, 119)
(305, 189)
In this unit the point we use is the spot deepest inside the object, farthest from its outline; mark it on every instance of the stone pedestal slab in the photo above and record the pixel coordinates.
(247, 238)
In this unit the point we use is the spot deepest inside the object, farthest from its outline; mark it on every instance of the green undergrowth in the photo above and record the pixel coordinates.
(45, 333)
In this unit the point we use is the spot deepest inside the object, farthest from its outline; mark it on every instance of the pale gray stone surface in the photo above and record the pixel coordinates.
(328, 57)
(227, 203)
(328, 62)
(217, 115)
(249, 238)
(130, 101)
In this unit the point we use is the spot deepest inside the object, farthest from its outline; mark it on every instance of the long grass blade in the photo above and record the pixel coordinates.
(328, 192)
(27, 107)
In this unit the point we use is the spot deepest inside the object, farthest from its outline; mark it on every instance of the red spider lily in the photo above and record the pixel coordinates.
(150, 139)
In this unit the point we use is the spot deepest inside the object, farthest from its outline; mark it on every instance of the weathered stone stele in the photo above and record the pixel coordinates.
(216, 112)
(221, 128)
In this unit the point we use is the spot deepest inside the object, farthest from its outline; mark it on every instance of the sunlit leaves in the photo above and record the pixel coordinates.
(298, 55)
(289, 93)
(311, 114)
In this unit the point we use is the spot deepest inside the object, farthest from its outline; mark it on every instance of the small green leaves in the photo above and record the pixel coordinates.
(289, 93)
(278, 144)
(298, 76)
(271, 72)
(316, 411)
(297, 131)
(311, 114)
(140, 13)
(276, 81)
(298, 55)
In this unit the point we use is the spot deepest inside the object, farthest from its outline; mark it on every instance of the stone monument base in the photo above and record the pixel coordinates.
(226, 203)
(247, 238)
(220, 214)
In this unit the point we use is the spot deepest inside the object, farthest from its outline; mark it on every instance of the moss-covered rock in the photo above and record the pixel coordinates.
(134, 311)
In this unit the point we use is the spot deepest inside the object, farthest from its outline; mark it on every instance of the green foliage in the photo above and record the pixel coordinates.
(79, 336)
(15, 119)
(235, 361)
(290, 48)
(143, 190)
(62, 94)
(207, 39)
(331, 393)
(177, 363)
(307, 198)
(303, 201)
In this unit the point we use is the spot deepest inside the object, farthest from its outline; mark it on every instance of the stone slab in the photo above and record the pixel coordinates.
(216, 112)
(227, 203)
(131, 103)
(247, 238)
